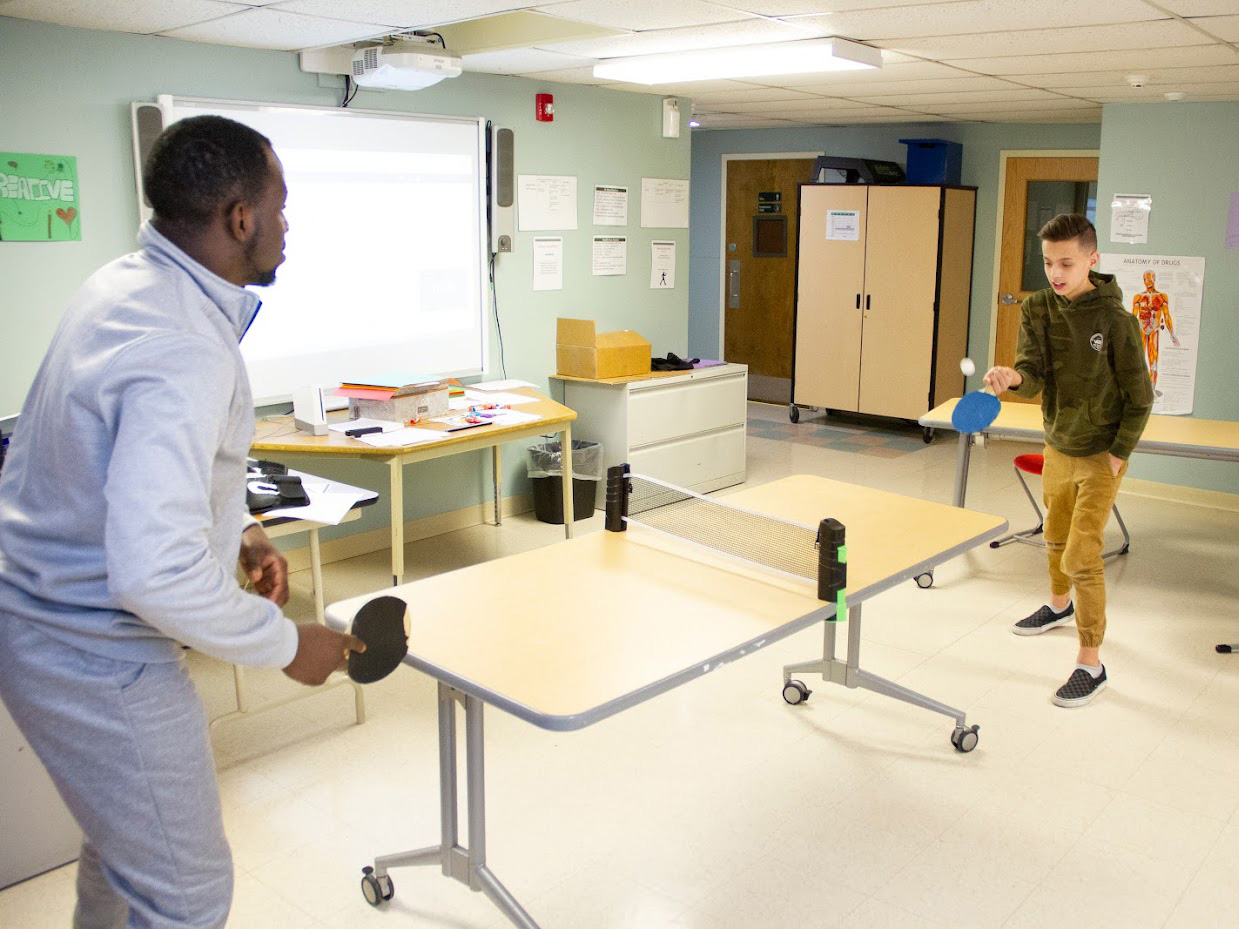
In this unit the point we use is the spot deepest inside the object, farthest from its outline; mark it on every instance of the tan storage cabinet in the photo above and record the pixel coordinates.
(883, 280)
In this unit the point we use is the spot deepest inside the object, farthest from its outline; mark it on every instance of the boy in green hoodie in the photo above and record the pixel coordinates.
(1081, 348)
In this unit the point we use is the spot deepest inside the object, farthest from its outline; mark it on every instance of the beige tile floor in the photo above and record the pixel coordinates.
(718, 806)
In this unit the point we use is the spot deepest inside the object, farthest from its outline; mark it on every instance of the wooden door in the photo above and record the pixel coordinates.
(830, 298)
(759, 270)
(901, 273)
(1036, 190)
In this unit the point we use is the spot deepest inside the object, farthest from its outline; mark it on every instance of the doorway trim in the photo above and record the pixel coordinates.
(1003, 155)
(722, 227)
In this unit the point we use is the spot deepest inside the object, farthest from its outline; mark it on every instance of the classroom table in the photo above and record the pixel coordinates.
(572, 633)
(1182, 436)
(278, 436)
(275, 525)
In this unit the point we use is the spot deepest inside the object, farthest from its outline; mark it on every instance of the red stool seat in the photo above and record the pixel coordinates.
(1030, 464)
(1035, 464)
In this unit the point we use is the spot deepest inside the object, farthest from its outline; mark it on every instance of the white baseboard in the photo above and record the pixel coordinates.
(378, 540)
(1175, 493)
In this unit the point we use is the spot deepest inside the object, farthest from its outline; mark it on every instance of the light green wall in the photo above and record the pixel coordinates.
(67, 91)
(1184, 155)
(982, 143)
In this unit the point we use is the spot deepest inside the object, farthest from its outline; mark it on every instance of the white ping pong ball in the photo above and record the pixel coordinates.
(967, 367)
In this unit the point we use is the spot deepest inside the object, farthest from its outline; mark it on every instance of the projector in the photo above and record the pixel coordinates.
(392, 69)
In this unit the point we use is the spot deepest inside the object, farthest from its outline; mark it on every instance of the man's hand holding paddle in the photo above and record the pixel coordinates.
(319, 652)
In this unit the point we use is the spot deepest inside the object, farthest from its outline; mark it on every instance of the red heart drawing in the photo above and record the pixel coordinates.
(67, 215)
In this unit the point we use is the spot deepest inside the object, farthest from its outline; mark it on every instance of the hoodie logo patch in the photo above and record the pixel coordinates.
(1096, 341)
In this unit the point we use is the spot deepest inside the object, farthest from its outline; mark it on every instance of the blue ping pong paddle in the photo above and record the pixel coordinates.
(380, 624)
(975, 411)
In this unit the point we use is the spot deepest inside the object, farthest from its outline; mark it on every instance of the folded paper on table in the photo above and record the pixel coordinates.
(402, 437)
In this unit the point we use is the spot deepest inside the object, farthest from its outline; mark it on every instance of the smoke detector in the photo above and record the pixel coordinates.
(1137, 80)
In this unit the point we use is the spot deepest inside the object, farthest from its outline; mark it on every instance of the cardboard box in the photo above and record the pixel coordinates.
(580, 351)
(415, 402)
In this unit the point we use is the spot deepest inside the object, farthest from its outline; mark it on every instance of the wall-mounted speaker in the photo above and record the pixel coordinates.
(502, 190)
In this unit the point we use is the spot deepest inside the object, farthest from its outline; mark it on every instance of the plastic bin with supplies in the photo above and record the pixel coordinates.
(546, 470)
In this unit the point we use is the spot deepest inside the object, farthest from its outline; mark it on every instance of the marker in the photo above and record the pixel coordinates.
(364, 430)
(470, 426)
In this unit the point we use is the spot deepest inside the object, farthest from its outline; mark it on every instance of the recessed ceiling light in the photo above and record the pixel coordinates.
(806, 56)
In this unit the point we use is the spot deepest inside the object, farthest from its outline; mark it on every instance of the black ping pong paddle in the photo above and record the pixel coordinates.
(380, 624)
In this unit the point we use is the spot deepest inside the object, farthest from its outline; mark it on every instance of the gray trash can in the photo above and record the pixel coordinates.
(546, 470)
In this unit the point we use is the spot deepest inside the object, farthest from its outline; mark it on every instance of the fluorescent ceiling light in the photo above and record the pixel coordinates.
(806, 56)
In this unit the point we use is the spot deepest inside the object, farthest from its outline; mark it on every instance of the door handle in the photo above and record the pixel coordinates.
(733, 285)
(858, 301)
(1007, 299)
(867, 303)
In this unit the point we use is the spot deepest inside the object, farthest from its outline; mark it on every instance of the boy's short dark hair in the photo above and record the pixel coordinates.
(202, 163)
(1067, 226)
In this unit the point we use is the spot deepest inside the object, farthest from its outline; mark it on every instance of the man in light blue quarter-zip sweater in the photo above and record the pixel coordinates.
(122, 517)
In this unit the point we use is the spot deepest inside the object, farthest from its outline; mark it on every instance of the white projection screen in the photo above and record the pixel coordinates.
(386, 255)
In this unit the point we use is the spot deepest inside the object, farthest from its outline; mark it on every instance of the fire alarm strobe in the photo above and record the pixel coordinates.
(544, 108)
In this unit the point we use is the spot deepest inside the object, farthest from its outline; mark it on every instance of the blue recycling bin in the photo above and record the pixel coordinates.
(934, 161)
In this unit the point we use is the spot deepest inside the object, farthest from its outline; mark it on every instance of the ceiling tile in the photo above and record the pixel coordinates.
(752, 95)
(404, 14)
(982, 96)
(1224, 27)
(1158, 77)
(1012, 106)
(276, 29)
(1035, 116)
(140, 16)
(1123, 94)
(939, 85)
(1198, 7)
(822, 83)
(977, 16)
(793, 107)
(1058, 64)
(521, 61)
(790, 8)
(641, 15)
(1153, 36)
(718, 35)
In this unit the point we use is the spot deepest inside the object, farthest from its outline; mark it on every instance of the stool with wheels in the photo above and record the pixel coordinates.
(1035, 464)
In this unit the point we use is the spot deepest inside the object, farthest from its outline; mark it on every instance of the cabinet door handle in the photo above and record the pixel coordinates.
(866, 303)
(858, 301)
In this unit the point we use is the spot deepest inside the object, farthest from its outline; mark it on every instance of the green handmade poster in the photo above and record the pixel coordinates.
(39, 198)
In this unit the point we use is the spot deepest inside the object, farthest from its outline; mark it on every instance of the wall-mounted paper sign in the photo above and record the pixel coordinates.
(545, 202)
(39, 198)
(610, 255)
(843, 225)
(548, 263)
(610, 205)
(664, 203)
(1129, 218)
(662, 265)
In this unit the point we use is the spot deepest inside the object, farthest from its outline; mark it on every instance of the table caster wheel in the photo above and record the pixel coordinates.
(795, 692)
(925, 581)
(793, 413)
(928, 435)
(965, 740)
(376, 890)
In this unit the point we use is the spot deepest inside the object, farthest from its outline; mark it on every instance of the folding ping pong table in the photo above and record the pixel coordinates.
(570, 634)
